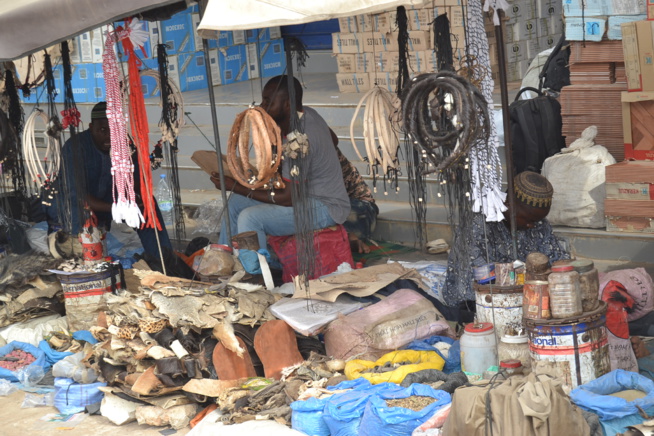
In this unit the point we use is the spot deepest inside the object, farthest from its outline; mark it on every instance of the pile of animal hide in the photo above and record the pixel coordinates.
(246, 400)
(27, 290)
(155, 340)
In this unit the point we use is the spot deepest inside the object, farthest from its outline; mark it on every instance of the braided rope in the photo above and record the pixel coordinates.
(124, 206)
(487, 194)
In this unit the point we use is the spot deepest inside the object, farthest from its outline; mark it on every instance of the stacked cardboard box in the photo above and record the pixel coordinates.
(595, 20)
(528, 29)
(629, 204)
(367, 50)
(234, 56)
(638, 103)
(594, 93)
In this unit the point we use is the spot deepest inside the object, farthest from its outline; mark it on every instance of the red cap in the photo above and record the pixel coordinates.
(479, 327)
(563, 268)
(510, 363)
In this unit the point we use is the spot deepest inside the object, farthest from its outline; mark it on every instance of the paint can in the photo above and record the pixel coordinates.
(536, 300)
(485, 273)
(500, 305)
(576, 347)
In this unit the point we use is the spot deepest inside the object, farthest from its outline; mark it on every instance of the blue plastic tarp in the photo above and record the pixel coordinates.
(379, 419)
(453, 360)
(15, 345)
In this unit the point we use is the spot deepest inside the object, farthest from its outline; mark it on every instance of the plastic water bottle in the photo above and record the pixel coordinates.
(165, 200)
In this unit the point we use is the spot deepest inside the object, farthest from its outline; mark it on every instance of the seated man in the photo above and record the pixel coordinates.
(273, 215)
(95, 144)
(491, 242)
(363, 209)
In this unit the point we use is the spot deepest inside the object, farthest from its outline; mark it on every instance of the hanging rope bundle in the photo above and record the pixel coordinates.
(465, 106)
(487, 194)
(124, 206)
(70, 121)
(172, 119)
(42, 172)
(14, 156)
(255, 124)
(54, 130)
(403, 43)
(443, 43)
(380, 124)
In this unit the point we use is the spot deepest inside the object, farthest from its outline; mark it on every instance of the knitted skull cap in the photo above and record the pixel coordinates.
(533, 189)
(99, 111)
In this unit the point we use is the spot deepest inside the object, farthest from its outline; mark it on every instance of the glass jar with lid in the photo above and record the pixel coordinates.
(514, 348)
(588, 284)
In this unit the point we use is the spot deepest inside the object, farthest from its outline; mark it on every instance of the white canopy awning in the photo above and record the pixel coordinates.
(30, 25)
(253, 14)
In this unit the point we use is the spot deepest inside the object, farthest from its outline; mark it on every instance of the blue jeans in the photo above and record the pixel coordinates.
(246, 214)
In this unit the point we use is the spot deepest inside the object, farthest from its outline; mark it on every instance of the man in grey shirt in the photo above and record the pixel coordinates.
(273, 215)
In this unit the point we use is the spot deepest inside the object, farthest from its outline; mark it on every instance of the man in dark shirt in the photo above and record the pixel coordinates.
(94, 145)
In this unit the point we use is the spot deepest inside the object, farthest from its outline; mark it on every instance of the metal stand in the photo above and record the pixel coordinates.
(216, 138)
(508, 148)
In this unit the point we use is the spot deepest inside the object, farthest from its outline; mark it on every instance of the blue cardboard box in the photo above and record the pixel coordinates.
(273, 58)
(233, 64)
(83, 82)
(192, 71)
(177, 33)
(99, 87)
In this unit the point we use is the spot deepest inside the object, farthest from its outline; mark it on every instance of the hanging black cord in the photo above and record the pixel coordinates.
(403, 44)
(78, 165)
(443, 43)
(15, 162)
(169, 119)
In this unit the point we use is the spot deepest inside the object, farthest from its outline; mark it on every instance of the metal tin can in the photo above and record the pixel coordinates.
(536, 300)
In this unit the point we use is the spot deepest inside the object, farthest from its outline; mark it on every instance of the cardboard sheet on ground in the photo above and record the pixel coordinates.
(358, 283)
(208, 162)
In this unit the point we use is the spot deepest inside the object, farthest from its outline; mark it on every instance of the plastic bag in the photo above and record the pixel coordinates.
(30, 376)
(71, 397)
(594, 395)
(206, 217)
(7, 388)
(433, 274)
(379, 419)
(15, 345)
(52, 356)
(36, 400)
(343, 411)
(419, 360)
(453, 358)
(307, 417)
(72, 367)
(638, 284)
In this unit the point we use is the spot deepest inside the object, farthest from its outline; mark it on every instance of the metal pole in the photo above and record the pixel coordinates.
(508, 148)
(216, 137)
